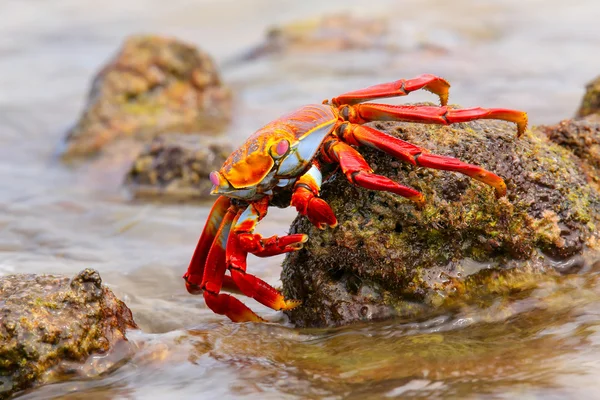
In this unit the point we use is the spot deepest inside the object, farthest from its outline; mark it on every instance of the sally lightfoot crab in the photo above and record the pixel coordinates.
(281, 165)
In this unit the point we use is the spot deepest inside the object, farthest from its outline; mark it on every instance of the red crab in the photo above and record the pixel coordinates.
(284, 158)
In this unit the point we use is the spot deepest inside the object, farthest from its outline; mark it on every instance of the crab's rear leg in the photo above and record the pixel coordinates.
(358, 171)
(364, 135)
(362, 113)
(305, 199)
(401, 87)
(237, 253)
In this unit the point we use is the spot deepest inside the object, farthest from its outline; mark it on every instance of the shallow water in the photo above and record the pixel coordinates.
(534, 55)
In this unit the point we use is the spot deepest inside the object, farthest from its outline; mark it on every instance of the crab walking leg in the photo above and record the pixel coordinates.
(362, 113)
(193, 275)
(305, 199)
(214, 274)
(251, 285)
(366, 136)
(360, 173)
(431, 83)
(255, 243)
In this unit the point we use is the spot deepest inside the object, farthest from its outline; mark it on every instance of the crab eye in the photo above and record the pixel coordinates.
(279, 150)
(214, 178)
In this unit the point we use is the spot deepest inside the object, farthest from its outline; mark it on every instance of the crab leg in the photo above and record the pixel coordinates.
(237, 254)
(402, 87)
(360, 173)
(362, 113)
(305, 199)
(364, 135)
(195, 271)
(214, 277)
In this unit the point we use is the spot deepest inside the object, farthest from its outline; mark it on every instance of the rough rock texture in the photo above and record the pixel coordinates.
(153, 85)
(388, 258)
(582, 137)
(51, 325)
(591, 100)
(176, 167)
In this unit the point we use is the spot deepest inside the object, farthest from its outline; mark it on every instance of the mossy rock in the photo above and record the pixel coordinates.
(176, 167)
(153, 85)
(51, 325)
(582, 137)
(329, 33)
(591, 100)
(389, 258)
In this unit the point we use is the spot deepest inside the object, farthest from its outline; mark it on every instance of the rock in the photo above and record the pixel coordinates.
(176, 167)
(153, 85)
(52, 326)
(336, 32)
(591, 100)
(582, 137)
(388, 258)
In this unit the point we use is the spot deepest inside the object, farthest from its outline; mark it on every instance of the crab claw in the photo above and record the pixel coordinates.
(267, 247)
(307, 203)
(320, 214)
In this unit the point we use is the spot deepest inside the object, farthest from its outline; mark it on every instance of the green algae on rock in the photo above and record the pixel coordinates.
(176, 167)
(388, 258)
(582, 137)
(52, 326)
(591, 100)
(153, 85)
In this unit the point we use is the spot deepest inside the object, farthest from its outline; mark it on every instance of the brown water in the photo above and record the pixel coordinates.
(534, 55)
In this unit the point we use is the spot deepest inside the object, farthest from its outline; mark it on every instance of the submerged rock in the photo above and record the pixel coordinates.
(388, 258)
(591, 100)
(176, 167)
(153, 85)
(52, 326)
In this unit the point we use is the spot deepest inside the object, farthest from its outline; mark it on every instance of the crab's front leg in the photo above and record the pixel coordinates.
(305, 199)
(213, 273)
(242, 241)
(195, 271)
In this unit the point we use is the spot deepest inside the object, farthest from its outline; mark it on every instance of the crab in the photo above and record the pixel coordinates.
(281, 164)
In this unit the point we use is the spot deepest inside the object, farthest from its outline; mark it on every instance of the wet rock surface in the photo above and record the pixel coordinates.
(54, 328)
(582, 137)
(388, 258)
(153, 85)
(176, 167)
(591, 100)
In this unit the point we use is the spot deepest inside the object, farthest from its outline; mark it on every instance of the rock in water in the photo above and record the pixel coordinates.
(582, 137)
(335, 32)
(51, 326)
(388, 258)
(176, 167)
(591, 100)
(153, 85)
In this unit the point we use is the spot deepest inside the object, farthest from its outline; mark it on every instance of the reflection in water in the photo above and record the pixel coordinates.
(532, 350)
(61, 219)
